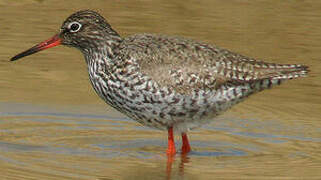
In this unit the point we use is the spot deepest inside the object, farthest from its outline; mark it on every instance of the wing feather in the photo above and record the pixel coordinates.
(186, 65)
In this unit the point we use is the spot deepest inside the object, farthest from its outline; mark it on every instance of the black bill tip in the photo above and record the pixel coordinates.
(23, 54)
(54, 41)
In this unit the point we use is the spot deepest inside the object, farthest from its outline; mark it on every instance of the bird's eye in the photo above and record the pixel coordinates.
(74, 26)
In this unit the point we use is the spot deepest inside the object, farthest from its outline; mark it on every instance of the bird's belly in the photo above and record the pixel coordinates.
(159, 109)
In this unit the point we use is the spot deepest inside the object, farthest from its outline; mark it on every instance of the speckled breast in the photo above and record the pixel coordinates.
(142, 99)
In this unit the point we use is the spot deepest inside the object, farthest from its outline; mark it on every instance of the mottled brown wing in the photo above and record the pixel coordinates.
(186, 65)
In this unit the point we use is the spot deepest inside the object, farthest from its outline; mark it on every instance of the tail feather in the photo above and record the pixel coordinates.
(236, 91)
(290, 73)
(250, 71)
(281, 71)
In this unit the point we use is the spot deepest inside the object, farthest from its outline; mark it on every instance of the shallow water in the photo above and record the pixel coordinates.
(53, 126)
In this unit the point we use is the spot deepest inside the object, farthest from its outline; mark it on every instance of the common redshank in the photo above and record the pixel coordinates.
(165, 82)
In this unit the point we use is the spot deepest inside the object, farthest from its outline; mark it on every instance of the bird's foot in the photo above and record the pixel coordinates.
(171, 144)
(186, 148)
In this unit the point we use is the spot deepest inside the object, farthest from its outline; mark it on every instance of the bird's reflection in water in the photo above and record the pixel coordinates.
(184, 159)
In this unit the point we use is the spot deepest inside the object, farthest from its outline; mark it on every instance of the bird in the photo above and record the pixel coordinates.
(169, 83)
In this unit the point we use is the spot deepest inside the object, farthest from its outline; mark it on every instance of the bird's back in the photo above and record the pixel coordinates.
(186, 65)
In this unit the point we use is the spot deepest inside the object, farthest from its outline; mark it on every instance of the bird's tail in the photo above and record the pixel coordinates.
(281, 71)
(277, 74)
(237, 91)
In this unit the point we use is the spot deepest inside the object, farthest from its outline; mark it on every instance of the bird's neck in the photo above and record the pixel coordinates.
(102, 50)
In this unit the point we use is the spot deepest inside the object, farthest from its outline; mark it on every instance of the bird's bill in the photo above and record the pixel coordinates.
(54, 41)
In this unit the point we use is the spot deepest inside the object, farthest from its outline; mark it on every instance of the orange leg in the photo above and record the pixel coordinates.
(185, 147)
(171, 145)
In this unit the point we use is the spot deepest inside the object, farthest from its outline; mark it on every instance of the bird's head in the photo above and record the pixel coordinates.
(84, 30)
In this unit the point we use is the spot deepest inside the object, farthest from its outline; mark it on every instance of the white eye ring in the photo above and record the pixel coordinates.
(74, 26)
